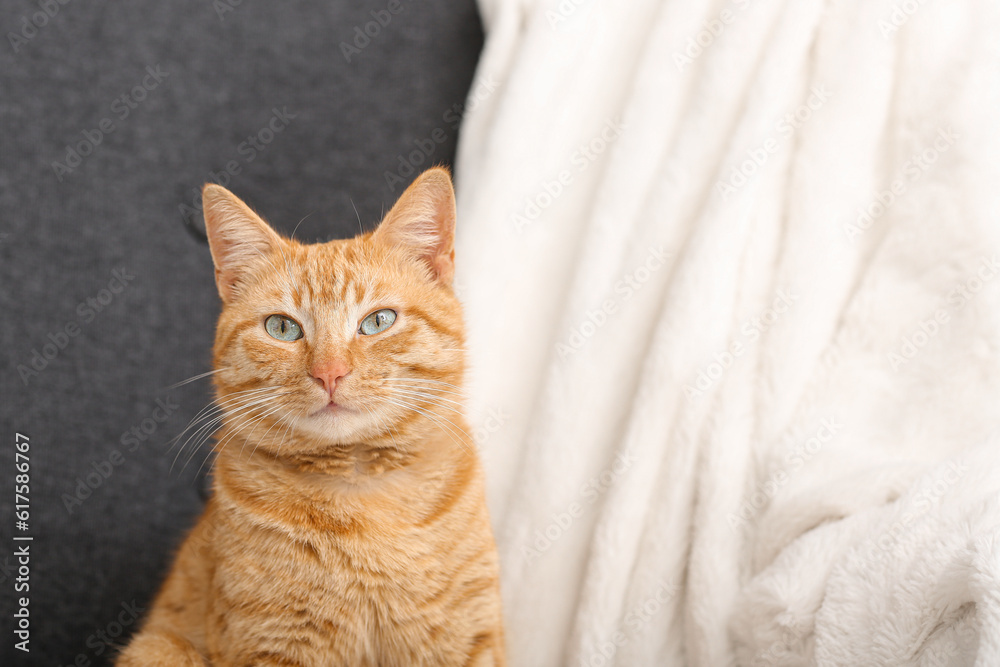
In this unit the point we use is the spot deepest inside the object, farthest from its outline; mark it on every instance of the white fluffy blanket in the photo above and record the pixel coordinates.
(731, 274)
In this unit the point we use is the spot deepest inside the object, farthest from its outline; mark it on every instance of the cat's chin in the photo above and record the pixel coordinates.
(335, 422)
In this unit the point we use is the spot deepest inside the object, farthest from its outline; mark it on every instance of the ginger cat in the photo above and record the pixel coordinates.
(348, 523)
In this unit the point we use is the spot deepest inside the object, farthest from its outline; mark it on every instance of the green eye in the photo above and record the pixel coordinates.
(377, 322)
(283, 328)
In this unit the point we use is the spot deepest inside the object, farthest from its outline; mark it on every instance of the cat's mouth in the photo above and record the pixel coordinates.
(333, 408)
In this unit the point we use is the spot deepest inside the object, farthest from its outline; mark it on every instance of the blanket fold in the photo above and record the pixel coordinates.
(729, 280)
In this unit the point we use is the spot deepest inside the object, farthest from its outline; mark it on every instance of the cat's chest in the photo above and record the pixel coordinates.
(373, 551)
(361, 588)
(353, 564)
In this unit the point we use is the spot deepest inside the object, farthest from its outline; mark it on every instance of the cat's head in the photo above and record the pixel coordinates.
(345, 342)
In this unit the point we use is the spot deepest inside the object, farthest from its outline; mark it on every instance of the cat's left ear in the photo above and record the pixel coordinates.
(423, 221)
(239, 239)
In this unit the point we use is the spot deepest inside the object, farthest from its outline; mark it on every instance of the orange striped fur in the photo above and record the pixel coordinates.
(347, 533)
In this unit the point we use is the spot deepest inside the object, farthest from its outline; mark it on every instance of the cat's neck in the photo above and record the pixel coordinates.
(358, 459)
(345, 481)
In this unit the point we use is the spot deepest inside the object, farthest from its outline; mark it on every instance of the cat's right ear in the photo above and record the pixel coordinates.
(423, 222)
(238, 238)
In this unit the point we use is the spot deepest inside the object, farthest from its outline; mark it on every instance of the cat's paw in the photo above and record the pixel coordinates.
(158, 648)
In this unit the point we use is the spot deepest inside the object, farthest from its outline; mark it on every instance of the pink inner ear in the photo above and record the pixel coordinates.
(443, 266)
(237, 237)
(423, 220)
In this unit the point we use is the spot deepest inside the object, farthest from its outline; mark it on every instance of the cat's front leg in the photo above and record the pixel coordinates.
(262, 659)
(160, 648)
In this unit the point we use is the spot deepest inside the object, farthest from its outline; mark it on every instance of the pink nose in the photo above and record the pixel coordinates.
(329, 373)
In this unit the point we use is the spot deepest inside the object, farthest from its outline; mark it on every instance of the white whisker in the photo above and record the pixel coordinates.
(420, 385)
(214, 406)
(242, 427)
(230, 406)
(291, 423)
(430, 398)
(195, 378)
(430, 380)
(445, 424)
(213, 413)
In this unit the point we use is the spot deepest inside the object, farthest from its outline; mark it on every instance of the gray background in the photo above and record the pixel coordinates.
(120, 208)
